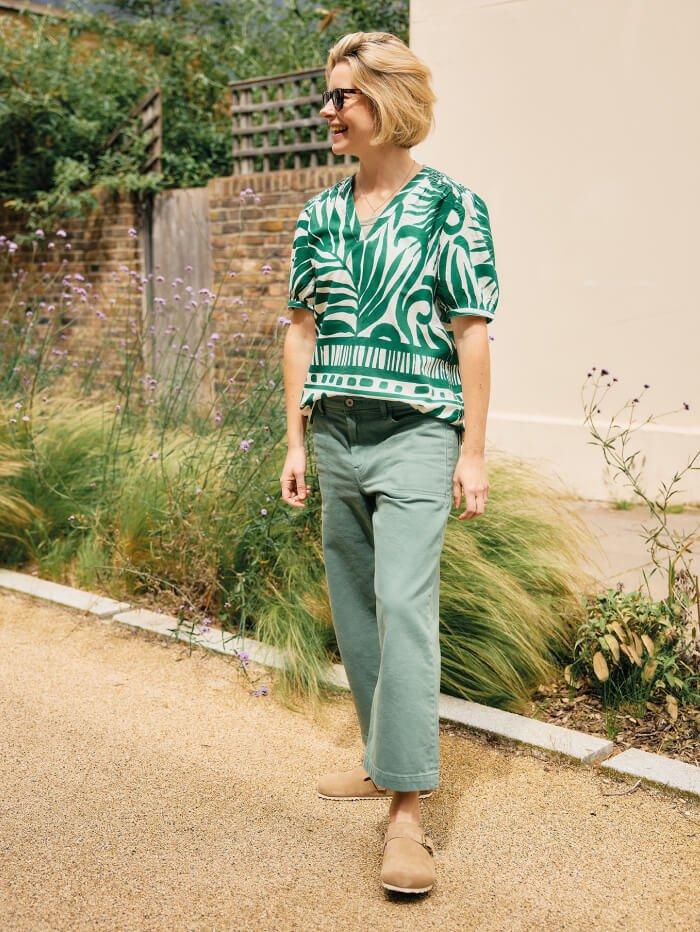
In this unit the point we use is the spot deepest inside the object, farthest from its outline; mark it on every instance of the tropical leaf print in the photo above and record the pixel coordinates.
(383, 301)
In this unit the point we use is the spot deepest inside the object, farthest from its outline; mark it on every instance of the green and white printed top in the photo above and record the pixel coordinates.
(383, 299)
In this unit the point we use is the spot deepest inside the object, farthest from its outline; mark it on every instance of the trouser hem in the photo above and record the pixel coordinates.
(428, 780)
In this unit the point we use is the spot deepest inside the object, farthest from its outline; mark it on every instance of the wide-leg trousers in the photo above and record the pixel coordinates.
(385, 476)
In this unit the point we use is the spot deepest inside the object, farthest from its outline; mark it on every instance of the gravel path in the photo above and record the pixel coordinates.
(143, 788)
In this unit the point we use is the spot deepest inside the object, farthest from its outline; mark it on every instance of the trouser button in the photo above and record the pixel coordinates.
(349, 402)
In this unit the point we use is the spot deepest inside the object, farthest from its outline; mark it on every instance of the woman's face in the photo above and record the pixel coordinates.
(355, 118)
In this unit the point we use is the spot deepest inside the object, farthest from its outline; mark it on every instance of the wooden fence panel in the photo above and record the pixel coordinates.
(180, 247)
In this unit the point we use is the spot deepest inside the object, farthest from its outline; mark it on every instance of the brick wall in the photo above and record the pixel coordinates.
(245, 237)
(97, 247)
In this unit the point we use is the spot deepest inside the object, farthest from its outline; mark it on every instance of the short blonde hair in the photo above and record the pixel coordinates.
(396, 82)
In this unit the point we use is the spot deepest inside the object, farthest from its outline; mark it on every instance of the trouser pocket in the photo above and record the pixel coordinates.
(401, 409)
(314, 409)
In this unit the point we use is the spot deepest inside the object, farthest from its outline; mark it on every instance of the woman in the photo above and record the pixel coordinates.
(395, 263)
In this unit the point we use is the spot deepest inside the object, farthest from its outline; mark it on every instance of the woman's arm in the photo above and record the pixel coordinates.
(298, 350)
(471, 339)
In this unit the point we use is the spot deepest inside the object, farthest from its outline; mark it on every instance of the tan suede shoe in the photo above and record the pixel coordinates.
(354, 784)
(408, 863)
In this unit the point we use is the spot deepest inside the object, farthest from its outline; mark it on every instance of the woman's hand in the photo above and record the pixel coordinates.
(294, 488)
(470, 477)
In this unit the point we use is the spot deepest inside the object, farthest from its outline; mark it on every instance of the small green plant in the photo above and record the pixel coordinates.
(631, 649)
(621, 504)
(669, 550)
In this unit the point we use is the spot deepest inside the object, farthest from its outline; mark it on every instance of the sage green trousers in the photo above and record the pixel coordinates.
(385, 476)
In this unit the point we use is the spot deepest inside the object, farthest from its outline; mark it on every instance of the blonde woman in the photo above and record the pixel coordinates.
(392, 285)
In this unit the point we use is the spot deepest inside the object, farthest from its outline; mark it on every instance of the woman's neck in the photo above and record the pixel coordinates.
(376, 184)
(383, 169)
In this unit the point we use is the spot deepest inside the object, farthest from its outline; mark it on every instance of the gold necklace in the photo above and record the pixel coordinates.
(376, 209)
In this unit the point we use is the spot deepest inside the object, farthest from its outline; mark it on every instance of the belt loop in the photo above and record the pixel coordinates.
(384, 407)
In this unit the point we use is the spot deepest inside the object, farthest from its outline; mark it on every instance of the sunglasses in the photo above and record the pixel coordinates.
(337, 95)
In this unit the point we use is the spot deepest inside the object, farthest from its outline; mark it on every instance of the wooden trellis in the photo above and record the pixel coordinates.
(148, 115)
(276, 123)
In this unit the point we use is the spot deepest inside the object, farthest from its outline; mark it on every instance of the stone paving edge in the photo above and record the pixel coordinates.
(62, 595)
(587, 749)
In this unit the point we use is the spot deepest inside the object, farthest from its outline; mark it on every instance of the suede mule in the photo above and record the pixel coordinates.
(408, 864)
(354, 784)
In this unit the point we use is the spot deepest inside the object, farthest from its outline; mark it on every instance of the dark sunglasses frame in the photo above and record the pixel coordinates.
(337, 95)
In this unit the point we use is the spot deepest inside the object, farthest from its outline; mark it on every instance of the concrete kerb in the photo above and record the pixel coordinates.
(587, 749)
(63, 595)
(657, 769)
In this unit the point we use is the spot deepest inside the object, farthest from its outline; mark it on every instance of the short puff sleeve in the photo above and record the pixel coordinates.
(466, 272)
(302, 283)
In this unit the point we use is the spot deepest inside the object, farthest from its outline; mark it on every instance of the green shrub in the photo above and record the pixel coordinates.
(511, 585)
(632, 648)
(65, 87)
(185, 520)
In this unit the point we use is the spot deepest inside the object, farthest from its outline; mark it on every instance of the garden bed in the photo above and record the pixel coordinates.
(655, 732)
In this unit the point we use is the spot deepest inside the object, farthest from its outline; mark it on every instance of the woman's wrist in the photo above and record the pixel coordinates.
(469, 450)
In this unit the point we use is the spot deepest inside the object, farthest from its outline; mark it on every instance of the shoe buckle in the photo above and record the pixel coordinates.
(423, 840)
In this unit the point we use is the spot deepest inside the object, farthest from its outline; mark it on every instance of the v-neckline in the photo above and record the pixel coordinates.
(354, 220)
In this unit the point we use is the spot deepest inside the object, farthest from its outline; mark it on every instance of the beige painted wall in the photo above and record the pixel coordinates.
(577, 122)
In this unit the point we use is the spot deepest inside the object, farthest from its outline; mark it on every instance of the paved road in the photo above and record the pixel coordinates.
(144, 788)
